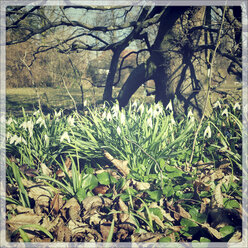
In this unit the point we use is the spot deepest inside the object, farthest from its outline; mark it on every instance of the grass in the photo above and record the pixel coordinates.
(51, 98)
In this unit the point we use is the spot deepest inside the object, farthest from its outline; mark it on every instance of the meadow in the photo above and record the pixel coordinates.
(138, 174)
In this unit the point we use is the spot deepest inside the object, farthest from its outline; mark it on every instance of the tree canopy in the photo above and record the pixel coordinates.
(177, 43)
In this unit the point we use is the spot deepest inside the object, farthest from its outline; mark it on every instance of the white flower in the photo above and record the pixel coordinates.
(158, 109)
(135, 104)
(207, 132)
(28, 125)
(236, 106)
(36, 112)
(10, 120)
(191, 115)
(115, 110)
(109, 116)
(41, 121)
(13, 139)
(17, 140)
(122, 118)
(46, 139)
(104, 115)
(70, 121)
(141, 108)
(65, 136)
(85, 103)
(118, 130)
(149, 122)
(173, 121)
(8, 135)
(57, 114)
(225, 112)
(169, 106)
(217, 104)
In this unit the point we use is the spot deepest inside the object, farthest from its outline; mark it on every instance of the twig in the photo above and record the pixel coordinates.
(208, 90)
(32, 80)
(74, 102)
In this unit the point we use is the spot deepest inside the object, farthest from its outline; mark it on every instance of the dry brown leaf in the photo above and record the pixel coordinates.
(217, 197)
(121, 165)
(56, 204)
(105, 229)
(73, 208)
(146, 237)
(95, 202)
(45, 170)
(23, 219)
(157, 220)
(141, 185)
(86, 234)
(68, 163)
(237, 237)
(212, 231)
(124, 208)
(22, 210)
(182, 212)
(63, 233)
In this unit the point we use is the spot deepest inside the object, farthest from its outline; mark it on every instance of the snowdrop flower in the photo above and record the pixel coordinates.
(10, 120)
(115, 110)
(104, 115)
(70, 121)
(122, 118)
(169, 106)
(207, 132)
(13, 139)
(135, 104)
(17, 140)
(85, 103)
(28, 125)
(65, 136)
(41, 121)
(149, 122)
(109, 116)
(217, 105)
(158, 109)
(191, 115)
(118, 130)
(57, 114)
(173, 121)
(236, 106)
(8, 135)
(36, 112)
(225, 112)
(141, 108)
(46, 139)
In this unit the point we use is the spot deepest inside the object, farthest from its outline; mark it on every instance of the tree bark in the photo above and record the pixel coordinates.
(156, 66)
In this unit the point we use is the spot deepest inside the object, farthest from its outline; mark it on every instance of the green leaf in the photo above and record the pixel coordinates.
(103, 178)
(227, 230)
(165, 239)
(231, 204)
(81, 194)
(155, 195)
(89, 181)
(168, 191)
(111, 231)
(197, 216)
(157, 212)
(24, 235)
(203, 239)
(188, 223)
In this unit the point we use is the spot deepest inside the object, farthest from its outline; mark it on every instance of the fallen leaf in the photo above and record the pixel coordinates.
(121, 165)
(146, 237)
(56, 204)
(23, 219)
(45, 170)
(217, 197)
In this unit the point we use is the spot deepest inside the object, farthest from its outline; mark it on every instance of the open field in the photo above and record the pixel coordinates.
(16, 98)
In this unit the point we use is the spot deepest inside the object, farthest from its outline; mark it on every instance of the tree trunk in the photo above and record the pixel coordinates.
(107, 95)
(156, 66)
(138, 76)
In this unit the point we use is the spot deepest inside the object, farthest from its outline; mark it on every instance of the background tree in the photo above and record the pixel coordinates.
(177, 42)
